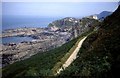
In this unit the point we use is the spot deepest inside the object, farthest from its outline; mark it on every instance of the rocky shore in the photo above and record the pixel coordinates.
(43, 40)
(21, 31)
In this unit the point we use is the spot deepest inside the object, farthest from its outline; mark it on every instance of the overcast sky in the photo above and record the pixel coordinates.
(59, 9)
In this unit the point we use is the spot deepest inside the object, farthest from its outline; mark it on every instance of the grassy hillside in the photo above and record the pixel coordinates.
(65, 22)
(39, 64)
(65, 57)
(100, 55)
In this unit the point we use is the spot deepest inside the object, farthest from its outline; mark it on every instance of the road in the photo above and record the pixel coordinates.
(72, 57)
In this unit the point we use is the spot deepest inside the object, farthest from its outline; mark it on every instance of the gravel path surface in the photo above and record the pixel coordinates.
(72, 57)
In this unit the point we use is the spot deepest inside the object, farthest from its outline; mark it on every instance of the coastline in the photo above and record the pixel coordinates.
(44, 40)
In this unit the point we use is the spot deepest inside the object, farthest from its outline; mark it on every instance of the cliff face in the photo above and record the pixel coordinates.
(100, 56)
(73, 25)
(70, 21)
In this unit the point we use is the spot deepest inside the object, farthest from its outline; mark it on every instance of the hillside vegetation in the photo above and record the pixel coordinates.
(39, 64)
(99, 56)
(70, 21)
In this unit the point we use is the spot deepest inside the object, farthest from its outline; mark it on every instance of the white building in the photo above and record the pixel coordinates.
(95, 17)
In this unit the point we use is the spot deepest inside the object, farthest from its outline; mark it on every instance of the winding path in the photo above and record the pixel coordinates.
(72, 56)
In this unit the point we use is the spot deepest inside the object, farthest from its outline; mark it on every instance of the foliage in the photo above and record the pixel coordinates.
(81, 22)
(99, 56)
(39, 64)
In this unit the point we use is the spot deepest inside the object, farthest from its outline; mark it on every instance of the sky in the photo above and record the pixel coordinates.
(56, 9)
(59, 0)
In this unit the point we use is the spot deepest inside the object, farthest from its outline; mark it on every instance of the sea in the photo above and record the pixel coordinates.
(15, 39)
(13, 22)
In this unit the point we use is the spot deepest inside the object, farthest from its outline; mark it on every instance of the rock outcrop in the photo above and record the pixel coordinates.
(73, 25)
(56, 34)
(21, 32)
(43, 40)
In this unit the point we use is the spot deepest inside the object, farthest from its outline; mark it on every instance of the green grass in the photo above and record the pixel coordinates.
(39, 64)
(99, 56)
(59, 64)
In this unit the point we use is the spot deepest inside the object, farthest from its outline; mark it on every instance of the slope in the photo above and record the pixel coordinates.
(39, 64)
(99, 56)
(68, 57)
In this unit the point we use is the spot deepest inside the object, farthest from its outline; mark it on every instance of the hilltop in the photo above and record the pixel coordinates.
(101, 16)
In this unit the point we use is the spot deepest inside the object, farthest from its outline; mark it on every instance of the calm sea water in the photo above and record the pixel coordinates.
(12, 22)
(16, 39)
